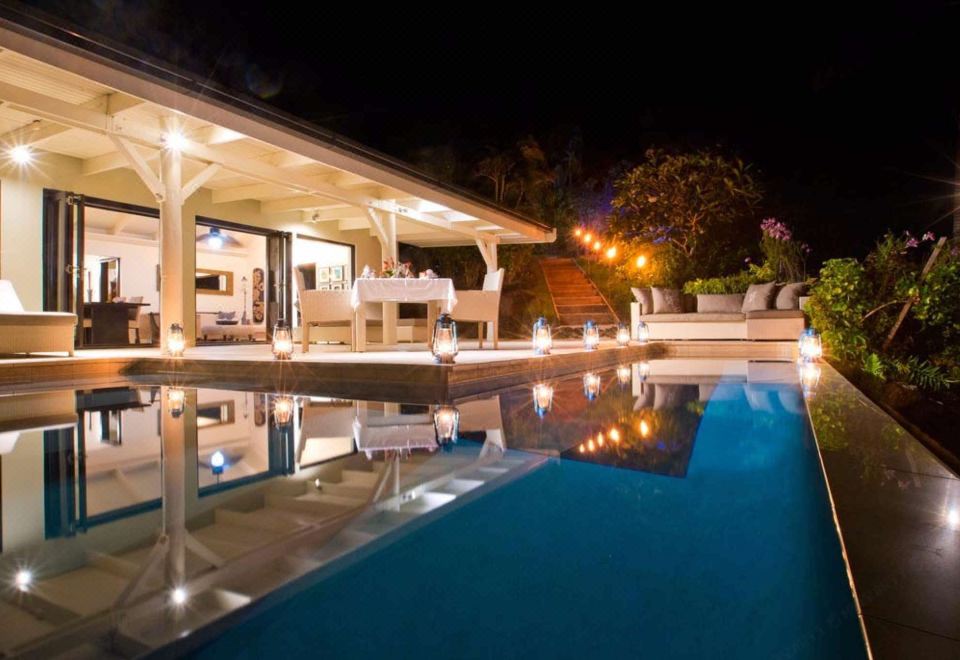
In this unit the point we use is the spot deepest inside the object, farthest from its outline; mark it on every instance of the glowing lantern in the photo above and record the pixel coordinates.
(23, 579)
(810, 346)
(542, 337)
(176, 398)
(600, 439)
(283, 410)
(176, 342)
(445, 346)
(623, 336)
(591, 336)
(590, 446)
(641, 261)
(612, 252)
(542, 399)
(282, 341)
(624, 374)
(446, 423)
(643, 332)
(591, 385)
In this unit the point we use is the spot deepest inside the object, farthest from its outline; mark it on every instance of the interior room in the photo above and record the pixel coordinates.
(329, 263)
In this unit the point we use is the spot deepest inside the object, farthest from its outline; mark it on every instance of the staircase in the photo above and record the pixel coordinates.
(575, 297)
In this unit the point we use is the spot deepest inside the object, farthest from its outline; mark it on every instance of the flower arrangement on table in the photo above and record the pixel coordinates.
(392, 269)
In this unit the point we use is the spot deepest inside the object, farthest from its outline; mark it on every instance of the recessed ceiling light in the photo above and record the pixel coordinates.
(21, 154)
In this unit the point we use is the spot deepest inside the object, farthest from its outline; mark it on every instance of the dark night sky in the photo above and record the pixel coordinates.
(848, 113)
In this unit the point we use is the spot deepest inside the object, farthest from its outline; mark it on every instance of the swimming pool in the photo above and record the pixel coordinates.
(666, 509)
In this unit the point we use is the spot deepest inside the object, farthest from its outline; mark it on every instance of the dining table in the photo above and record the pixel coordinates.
(437, 293)
(109, 322)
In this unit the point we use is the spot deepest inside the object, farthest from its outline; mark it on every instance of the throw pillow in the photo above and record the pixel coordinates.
(226, 316)
(759, 297)
(789, 295)
(645, 298)
(720, 303)
(667, 301)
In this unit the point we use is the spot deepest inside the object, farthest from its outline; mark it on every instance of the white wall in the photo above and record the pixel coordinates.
(21, 240)
(138, 267)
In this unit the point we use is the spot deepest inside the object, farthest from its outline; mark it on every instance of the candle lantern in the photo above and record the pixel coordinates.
(446, 423)
(445, 340)
(282, 341)
(591, 336)
(623, 336)
(591, 385)
(810, 345)
(542, 337)
(176, 342)
(643, 332)
(542, 399)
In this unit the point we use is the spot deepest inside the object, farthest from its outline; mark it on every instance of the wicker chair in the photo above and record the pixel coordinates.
(322, 309)
(482, 306)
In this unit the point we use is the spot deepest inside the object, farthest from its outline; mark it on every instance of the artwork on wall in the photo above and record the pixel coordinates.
(336, 273)
(337, 286)
(260, 408)
(258, 286)
(323, 274)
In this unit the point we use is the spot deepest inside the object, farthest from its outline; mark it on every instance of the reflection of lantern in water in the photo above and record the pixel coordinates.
(446, 422)
(176, 341)
(176, 398)
(623, 335)
(542, 398)
(600, 439)
(282, 341)
(614, 435)
(283, 410)
(590, 445)
(810, 346)
(643, 370)
(624, 374)
(644, 428)
(809, 378)
(591, 385)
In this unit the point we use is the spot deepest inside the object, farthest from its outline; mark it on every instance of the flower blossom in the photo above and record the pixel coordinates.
(928, 236)
(773, 228)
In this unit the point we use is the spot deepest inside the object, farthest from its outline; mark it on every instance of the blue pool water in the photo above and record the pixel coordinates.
(733, 554)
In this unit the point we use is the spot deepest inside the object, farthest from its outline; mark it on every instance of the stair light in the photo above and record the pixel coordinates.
(21, 155)
(643, 333)
(542, 337)
(446, 423)
(591, 336)
(283, 410)
(623, 336)
(542, 399)
(810, 345)
(23, 579)
(176, 342)
(597, 245)
(624, 374)
(176, 398)
(445, 346)
(612, 252)
(282, 341)
(641, 261)
(591, 385)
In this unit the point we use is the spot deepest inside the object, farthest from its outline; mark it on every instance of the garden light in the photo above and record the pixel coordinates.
(597, 245)
(612, 252)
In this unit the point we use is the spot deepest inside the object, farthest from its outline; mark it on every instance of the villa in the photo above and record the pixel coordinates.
(220, 437)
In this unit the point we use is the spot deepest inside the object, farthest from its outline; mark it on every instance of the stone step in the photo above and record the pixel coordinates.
(563, 301)
(580, 319)
(599, 310)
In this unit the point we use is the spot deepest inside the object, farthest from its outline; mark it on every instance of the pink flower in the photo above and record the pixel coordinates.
(912, 242)
(928, 236)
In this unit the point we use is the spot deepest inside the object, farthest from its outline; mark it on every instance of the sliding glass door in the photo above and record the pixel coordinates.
(62, 251)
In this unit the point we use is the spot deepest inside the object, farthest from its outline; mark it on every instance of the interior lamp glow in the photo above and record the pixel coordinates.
(283, 410)
(176, 398)
(21, 154)
(282, 341)
(542, 399)
(624, 374)
(623, 336)
(810, 346)
(217, 462)
(591, 336)
(23, 579)
(643, 333)
(542, 337)
(178, 596)
(174, 140)
(445, 346)
(176, 342)
(591, 385)
(446, 423)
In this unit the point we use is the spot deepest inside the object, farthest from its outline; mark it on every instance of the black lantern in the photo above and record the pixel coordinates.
(445, 346)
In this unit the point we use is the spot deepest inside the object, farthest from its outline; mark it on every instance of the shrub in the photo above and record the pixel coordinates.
(838, 302)
(737, 283)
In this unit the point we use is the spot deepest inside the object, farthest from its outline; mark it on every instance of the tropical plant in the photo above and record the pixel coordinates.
(737, 283)
(783, 256)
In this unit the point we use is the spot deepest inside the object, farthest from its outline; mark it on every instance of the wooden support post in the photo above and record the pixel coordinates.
(171, 239)
(907, 305)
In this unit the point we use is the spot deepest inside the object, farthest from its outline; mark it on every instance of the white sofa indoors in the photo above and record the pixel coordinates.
(33, 332)
(766, 312)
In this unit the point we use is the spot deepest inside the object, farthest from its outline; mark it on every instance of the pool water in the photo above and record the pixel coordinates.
(701, 529)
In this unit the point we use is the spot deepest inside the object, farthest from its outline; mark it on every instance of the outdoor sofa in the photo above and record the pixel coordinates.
(32, 332)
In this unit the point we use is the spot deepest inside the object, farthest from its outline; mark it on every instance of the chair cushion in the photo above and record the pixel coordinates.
(695, 317)
(724, 302)
(775, 314)
(9, 302)
(789, 295)
(667, 301)
(645, 298)
(309, 273)
(37, 319)
(759, 296)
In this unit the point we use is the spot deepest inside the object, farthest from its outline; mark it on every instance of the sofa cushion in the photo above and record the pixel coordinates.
(697, 317)
(775, 314)
(667, 301)
(788, 297)
(759, 296)
(37, 319)
(645, 298)
(723, 302)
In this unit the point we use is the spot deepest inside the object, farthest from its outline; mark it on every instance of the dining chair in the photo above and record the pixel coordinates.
(482, 306)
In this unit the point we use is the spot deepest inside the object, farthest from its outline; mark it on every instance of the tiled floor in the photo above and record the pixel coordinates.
(899, 512)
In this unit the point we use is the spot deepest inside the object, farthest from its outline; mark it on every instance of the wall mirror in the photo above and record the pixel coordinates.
(214, 282)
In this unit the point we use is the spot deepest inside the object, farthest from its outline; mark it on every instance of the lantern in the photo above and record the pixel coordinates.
(623, 336)
(282, 410)
(445, 340)
(810, 346)
(542, 399)
(176, 398)
(282, 341)
(446, 423)
(591, 336)
(542, 337)
(624, 374)
(591, 385)
(809, 378)
(176, 341)
(643, 332)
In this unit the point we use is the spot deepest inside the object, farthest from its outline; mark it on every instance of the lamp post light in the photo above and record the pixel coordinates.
(445, 346)
(542, 337)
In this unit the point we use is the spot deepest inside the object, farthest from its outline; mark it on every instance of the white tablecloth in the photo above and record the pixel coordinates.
(404, 290)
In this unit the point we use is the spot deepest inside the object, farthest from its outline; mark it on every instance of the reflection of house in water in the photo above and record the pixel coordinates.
(250, 503)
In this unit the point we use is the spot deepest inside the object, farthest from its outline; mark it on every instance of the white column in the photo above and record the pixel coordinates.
(174, 493)
(171, 239)
(390, 250)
